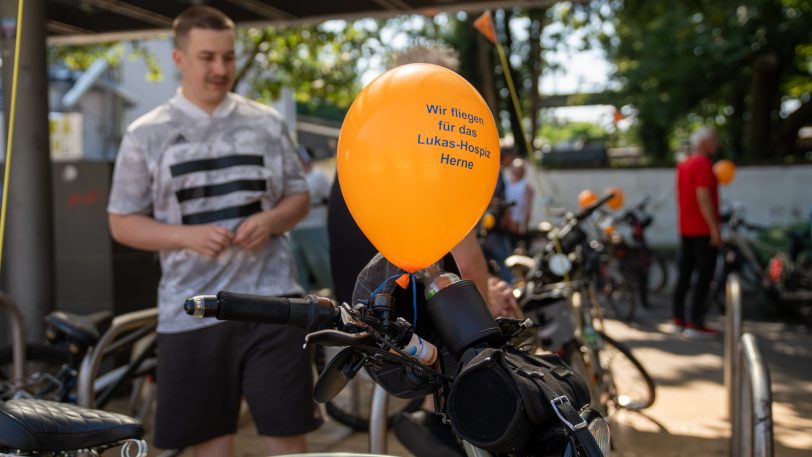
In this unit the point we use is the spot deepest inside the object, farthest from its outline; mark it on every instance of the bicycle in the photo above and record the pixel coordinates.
(352, 406)
(784, 276)
(36, 427)
(557, 290)
(378, 338)
(66, 368)
(652, 269)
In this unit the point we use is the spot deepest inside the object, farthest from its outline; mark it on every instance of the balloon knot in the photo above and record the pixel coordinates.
(403, 280)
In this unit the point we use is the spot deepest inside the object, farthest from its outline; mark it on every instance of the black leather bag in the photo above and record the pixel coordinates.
(504, 400)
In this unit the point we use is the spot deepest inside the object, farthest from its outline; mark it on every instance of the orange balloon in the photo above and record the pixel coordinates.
(418, 160)
(725, 171)
(586, 198)
(615, 202)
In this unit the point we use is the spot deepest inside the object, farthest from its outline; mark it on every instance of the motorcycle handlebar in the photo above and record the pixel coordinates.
(310, 313)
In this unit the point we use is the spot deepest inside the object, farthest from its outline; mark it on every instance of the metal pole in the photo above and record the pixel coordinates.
(17, 338)
(29, 240)
(377, 420)
(742, 445)
(732, 370)
(759, 399)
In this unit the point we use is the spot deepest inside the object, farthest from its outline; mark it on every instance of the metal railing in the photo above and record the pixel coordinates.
(733, 330)
(378, 421)
(18, 356)
(753, 405)
(88, 371)
(747, 380)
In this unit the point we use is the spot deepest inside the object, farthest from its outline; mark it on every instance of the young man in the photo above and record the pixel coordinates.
(698, 214)
(212, 181)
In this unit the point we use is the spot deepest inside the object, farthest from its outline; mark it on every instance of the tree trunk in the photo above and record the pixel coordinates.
(764, 95)
(736, 120)
(515, 120)
(486, 65)
(655, 143)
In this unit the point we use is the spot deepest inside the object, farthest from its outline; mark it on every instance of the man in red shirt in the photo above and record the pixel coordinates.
(698, 215)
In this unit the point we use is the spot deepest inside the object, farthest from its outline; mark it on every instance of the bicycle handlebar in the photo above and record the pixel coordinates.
(310, 313)
(586, 212)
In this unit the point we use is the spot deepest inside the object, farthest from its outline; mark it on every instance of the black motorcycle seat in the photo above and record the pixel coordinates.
(33, 425)
(86, 330)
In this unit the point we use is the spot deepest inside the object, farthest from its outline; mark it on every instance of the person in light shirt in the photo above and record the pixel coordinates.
(212, 182)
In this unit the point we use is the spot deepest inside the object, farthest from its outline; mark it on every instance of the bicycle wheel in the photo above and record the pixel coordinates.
(657, 273)
(579, 360)
(631, 387)
(619, 294)
(351, 406)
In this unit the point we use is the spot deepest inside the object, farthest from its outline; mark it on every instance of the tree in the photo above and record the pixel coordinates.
(80, 57)
(319, 63)
(731, 64)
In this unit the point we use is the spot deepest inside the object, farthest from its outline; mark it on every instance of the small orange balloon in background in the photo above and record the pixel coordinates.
(586, 198)
(488, 221)
(418, 160)
(615, 202)
(725, 171)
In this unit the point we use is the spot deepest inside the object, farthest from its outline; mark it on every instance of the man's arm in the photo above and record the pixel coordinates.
(471, 261)
(257, 229)
(143, 232)
(528, 195)
(703, 198)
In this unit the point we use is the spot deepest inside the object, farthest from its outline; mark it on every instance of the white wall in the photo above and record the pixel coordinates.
(773, 195)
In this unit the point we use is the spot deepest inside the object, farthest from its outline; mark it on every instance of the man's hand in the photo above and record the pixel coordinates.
(208, 240)
(254, 232)
(715, 238)
(501, 301)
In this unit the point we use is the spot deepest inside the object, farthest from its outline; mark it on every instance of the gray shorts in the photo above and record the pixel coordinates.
(203, 374)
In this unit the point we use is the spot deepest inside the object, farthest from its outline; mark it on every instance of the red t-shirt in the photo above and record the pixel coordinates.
(694, 172)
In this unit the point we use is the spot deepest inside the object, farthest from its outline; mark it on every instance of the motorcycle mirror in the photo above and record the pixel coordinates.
(336, 375)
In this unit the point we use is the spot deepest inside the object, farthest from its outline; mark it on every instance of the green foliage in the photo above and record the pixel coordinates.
(728, 64)
(320, 63)
(80, 57)
(571, 132)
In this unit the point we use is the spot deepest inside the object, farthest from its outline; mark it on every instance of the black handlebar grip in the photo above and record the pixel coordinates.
(310, 313)
(584, 213)
(253, 308)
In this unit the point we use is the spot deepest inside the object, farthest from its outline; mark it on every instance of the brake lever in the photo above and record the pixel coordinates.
(330, 337)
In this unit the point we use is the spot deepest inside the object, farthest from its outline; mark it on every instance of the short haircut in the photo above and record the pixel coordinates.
(699, 135)
(200, 17)
(437, 54)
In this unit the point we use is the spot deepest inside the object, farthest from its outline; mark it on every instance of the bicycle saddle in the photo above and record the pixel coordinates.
(85, 330)
(45, 426)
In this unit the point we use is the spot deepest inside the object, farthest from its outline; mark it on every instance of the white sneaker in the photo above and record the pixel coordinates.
(695, 334)
(672, 328)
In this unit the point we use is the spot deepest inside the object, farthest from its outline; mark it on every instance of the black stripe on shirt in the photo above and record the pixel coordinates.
(233, 212)
(216, 164)
(214, 190)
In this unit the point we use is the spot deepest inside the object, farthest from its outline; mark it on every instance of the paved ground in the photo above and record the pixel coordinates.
(689, 416)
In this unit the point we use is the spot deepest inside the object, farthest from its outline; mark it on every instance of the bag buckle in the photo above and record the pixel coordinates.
(564, 402)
